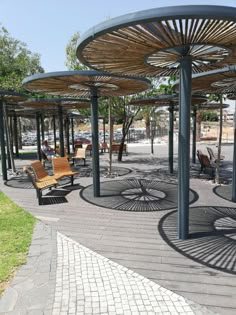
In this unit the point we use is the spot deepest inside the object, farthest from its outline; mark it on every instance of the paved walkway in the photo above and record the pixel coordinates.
(123, 266)
(75, 280)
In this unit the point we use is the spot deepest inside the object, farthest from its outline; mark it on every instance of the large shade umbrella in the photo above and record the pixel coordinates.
(222, 81)
(7, 98)
(165, 41)
(57, 105)
(87, 84)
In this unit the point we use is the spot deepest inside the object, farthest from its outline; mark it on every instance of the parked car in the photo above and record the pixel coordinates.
(81, 140)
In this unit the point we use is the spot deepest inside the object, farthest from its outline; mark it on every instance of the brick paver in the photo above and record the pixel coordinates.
(88, 283)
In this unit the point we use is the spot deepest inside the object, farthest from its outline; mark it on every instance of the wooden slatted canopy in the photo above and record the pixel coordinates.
(219, 81)
(212, 106)
(166, 100)
(158, 101)
(51, 104)
(152, 42)
(11, 97)
(80, 83)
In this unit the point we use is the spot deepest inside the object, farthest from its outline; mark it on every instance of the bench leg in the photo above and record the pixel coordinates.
(39, 195)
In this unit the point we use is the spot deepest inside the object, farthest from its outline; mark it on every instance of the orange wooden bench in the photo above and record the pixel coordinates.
(61, 168)
(40, 185)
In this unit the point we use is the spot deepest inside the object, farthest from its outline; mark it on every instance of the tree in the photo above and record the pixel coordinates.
(209, 115)
(72, 63)
(16, 61)
(160, 87)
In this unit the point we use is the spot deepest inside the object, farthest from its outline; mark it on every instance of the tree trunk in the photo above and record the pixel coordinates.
(148, 128)
(217, 176)
(199, 121)
(120, 153)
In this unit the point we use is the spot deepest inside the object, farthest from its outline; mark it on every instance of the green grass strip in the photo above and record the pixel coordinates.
(16, 229)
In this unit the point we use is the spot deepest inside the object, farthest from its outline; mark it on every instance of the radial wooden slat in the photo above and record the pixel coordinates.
(147, 45)
(11, 97)
(222, 81)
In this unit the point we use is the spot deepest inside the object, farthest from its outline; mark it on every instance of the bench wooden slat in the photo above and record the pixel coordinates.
(62, 168)
(40, 185)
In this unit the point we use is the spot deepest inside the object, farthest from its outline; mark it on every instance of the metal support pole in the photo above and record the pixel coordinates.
(8, 148)
(110, 139)
(171, 141)
(10, 158)
(234, 160)
(15, 130)
(54, 132)
(184, 143)
(61, 134)
(2, 143)
(104, 129)
(67, 123)
(95, 146)
(72, 134)
(42, 126)
(194, 135)
(38, 137)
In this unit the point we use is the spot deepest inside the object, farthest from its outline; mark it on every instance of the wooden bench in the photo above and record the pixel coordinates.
(104, 147)
(116, 147)
(62, 168)
(80, 154)
(40, 185)
(89, 149)
(205, 163)
(208, 138)
(213, 156)
(40, 172)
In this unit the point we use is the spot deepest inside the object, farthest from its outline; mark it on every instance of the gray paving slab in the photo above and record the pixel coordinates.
(32, 289)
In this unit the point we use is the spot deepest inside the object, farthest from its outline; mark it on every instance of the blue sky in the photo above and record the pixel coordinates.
(46, 26)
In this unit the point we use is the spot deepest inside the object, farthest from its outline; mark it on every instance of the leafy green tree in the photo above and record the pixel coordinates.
(16, 61)
(208, 115)
(72, 62)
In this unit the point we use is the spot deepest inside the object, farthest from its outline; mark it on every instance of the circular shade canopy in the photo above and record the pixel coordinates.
(195, 99)
(152, 42)
(158, 101)
(221, 81)
(213, 106)
(166, 100)
(80, 83)
(45, 104)
(12, 98)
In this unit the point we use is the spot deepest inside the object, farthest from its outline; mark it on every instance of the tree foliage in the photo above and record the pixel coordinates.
(72, 62)
(209, 115)
(16, 61)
